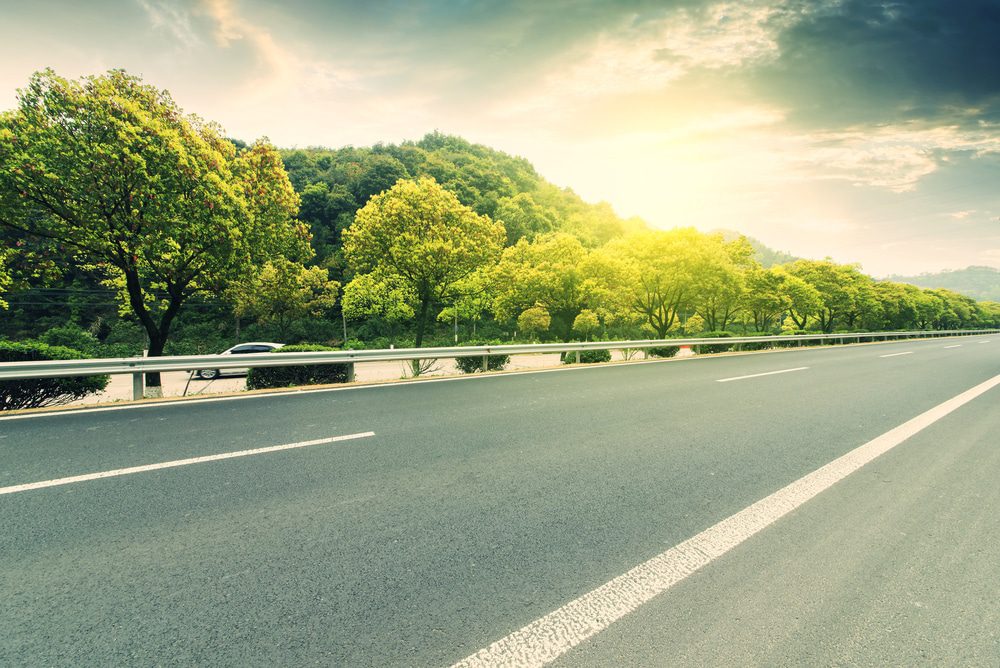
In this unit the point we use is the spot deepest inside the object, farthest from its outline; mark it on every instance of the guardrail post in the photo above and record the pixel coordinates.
(486, 363)
(137, 386)
(577, 356)
(350, 372)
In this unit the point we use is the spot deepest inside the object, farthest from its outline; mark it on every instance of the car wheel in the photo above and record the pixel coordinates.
(208, 374)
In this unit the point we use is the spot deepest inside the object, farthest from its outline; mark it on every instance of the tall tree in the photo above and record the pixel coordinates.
(4, 275)
(555, 272)
(159, 203)
(285, 291)
(663, 270)
(419, 240)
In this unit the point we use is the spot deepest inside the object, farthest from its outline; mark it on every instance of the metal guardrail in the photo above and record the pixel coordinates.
(137, 366)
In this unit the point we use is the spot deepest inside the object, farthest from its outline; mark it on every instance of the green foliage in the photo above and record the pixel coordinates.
(586, 323)
(5, 279)
(587, 357)
(35, 393)
(533, 321)
(158, 203)
(663, 351)
(694, 325)
(715, 347)
(475, 364)
(284, 291)
(74, 337)
(292, 376)
(419, 239)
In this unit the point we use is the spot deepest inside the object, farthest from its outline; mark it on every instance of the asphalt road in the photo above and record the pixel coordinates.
(480, 505)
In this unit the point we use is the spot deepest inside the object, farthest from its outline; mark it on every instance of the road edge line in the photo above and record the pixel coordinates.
(551, 636)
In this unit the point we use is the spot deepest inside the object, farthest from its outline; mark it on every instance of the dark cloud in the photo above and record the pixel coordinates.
(881, 62)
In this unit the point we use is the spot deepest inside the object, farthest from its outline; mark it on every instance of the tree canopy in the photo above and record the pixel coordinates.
(156, 202)
(418, 238)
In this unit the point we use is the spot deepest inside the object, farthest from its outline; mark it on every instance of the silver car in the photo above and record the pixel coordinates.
(239, 349)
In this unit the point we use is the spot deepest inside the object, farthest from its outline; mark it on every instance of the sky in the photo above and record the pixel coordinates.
(864, 131)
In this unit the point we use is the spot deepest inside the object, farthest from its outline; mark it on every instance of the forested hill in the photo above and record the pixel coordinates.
(768, 257)
(335, 183)
(982, 283)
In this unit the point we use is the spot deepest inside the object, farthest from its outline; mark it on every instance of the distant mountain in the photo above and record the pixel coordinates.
(768, 257)
(980, 283)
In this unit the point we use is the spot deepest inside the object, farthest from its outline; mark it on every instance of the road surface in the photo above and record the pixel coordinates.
(455, 513)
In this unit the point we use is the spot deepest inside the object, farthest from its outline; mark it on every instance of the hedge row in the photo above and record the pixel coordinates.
(39, 392)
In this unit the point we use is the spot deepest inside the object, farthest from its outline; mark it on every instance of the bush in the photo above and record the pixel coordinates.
(474, 364)
(715, 347)
(289, 376)
(587, 357)
(35, 393)
(662, 351)
(71, 336)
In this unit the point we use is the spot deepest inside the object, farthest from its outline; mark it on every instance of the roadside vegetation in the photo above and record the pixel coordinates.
(127, 225)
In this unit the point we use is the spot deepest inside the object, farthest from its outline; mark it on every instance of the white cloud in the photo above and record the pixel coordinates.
(891, 157)
(174, 19)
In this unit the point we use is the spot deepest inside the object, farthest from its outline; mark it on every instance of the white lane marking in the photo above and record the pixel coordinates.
(909, 352)
(957, 345)
(986, 341)
(549, 637)
(178, 462)
(758, 375)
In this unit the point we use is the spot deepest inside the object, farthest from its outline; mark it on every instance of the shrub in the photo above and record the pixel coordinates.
(587, 357)
(715, 347)
(71, 336)
(474, 364)
(35, 393)
(289, 376)
(662, 351)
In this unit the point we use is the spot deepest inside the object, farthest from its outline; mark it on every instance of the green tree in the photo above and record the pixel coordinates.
(5, 279)
(722, 279)
(661, 273)
(766, 297)
(420, 241)
(586, 323)
(157, 202)
(555, 272)
(534, 321)
(284, 291)
(843, 289)
(524, 218)
(694, 325)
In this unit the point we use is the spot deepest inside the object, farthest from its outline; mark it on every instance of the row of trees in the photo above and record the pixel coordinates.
(416, 246)
(108, 191)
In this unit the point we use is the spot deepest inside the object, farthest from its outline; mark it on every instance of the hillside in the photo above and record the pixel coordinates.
(980, 283)
(768, 257)
(335, 183)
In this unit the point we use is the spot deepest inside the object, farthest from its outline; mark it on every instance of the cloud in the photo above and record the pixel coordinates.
(895, 157)
(173, 18)
(861, 62)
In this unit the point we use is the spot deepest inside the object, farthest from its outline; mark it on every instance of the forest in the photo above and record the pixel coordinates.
(127, 225)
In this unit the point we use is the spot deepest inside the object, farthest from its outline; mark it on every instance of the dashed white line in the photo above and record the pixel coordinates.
(551, 636)
(957, 345)
(986, 341)
(177, 462)
(909, 352)
(758, 375)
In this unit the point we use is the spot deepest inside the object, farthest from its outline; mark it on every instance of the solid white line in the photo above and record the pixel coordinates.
(909, 352)
(758, 375)
(551, 636)
(177, 462)
(957, 345)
